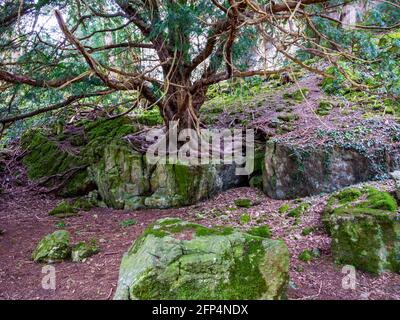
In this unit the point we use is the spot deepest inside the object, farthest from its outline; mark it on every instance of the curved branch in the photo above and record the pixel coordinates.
(56, 106)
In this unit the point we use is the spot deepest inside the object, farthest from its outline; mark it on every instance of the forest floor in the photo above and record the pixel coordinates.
(25, 220)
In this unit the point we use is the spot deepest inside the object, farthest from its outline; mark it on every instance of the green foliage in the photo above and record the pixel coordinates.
(263, 232)
(245, 218)
(299, 211)
(63, 209)
(243, 203)
(150, 117)
(306, 255)
(307, 231)
(83, 250)
(128, 223)
(324, 108)
(298, 95)
(284, 208)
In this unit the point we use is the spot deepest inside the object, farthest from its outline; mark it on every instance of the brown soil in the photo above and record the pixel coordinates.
(24, 219)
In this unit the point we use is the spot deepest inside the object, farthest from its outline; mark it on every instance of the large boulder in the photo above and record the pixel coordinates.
(365, 229)
(175, 259)
(126, 180)
(53, 248)
(59, 158)
(95, 155)
(326, 161)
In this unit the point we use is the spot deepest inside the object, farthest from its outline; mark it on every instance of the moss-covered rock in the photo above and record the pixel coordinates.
(83, 250)
(243, 203)
(70, 208)
(126, 180)
(53, 248)
(63, 210)
(66, 156)
(330, 160)
(365, 229)
(262, 231)
(174, 259)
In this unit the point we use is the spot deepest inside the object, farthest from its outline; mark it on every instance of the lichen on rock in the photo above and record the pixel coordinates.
(174, 259)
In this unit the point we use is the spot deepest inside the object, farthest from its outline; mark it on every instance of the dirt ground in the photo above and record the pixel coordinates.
(24, 219)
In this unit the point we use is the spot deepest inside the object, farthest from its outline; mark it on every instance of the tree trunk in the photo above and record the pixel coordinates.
(183, 106)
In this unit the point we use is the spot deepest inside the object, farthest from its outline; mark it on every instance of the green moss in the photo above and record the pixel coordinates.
(246, 269)
(245, 218)
(150, 117)
(348, 195)
(128, 223)
(84, 250)
(109, 128)
(300, 210)
(53, 247)
(168, 221)
(288, 117)
(84, 204)
(364, 229)
(307, 231)
(79, 185)
(379, 200)
(243, 203)
(306, 255)
(60, 225)
(324, 108)
(219, 230)
(63, 209)
(284, 208)
(263, 232)
(70, 208)
(171, 226)
(183, 176)
(45, 158)
(297, 95)
(256, 182)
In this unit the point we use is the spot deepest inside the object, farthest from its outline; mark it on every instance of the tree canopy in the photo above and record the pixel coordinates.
(116, 55)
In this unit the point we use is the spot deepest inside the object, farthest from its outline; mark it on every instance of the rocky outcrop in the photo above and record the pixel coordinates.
(126, 180)
(94, 155)
(59, 160)
(330, 160)
(365, 229)
(175, 259)
(53, 248)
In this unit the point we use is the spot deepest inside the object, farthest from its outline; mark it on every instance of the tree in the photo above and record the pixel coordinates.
(164, 52)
